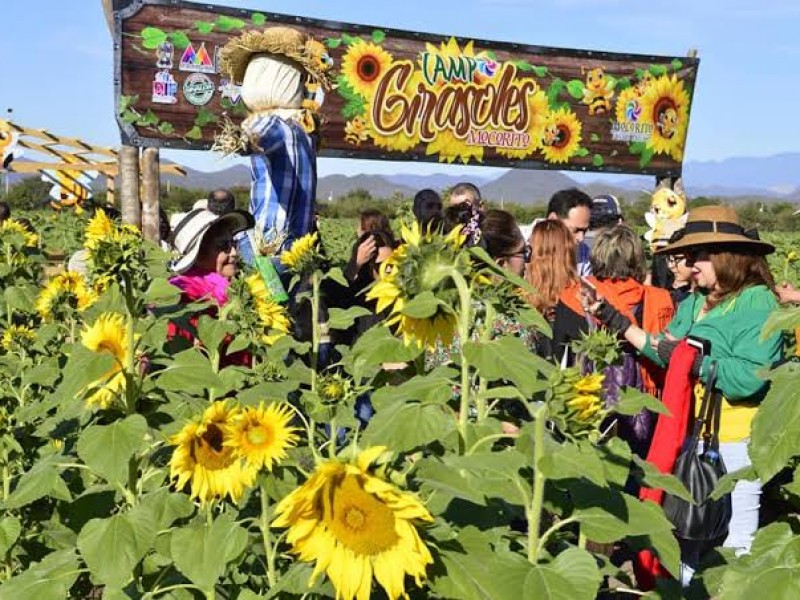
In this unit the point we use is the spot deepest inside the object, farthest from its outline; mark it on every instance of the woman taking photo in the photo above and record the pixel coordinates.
(735, 294)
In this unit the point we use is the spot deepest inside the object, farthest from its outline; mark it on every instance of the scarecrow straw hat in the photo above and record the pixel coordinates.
(290, 43)
(716, 226)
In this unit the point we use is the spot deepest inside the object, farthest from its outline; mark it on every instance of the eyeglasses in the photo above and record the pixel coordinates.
(674, 259)
(694, 257)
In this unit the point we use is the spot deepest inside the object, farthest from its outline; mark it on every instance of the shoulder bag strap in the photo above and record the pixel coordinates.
(713, 416)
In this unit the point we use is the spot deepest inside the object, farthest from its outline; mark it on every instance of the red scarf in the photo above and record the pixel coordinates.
(668, 438)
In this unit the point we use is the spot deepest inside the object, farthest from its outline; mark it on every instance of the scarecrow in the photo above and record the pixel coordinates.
(283, 75)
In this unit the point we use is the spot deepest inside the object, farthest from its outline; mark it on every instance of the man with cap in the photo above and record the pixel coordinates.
(605, 212)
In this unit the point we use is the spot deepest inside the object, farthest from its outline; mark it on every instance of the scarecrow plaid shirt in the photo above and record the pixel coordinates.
(284, 178)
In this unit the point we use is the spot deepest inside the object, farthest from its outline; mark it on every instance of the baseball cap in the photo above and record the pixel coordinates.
(605, 210)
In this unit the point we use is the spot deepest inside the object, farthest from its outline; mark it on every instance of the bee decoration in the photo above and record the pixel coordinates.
(598, 90)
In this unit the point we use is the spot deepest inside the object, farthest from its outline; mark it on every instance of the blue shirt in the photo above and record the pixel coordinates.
(284, 179)
(583, 253)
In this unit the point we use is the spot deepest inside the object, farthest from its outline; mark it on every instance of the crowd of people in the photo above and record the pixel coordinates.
(586, 270)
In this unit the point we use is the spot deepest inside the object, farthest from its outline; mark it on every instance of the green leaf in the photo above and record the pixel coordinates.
(10, 528)
(204, 27)
(658, 70)
(422, 306)
(468, 574)
(49, 579)
(651, 477)
(623, 83)
(333, 42)
(106, 449)
(201, 552)
(728, 481)
(164, 507)
(572, 461)
(632, 402)
(540, 71)
(195, 133)
(378, 346)
(204, 117)
(152, 37)
(42, 480)
(190, 371)
(83, 368)
(597, 160)
(339, 318)
(594, 137)
(112, 547)
(435, 474)
(225, 23)
(786, 318)
(258, 19)
(508, 359)
(349, 40)
(45, 373)
(405, 426)
(647, 156)
(555, 89)
(637, 147)
(20, 297)
(354, 108)
(775, 436)
(294, 581)
(378, 36)
(575, 88)
(149, 118)
(165, 128)
(582, 152)
(522, 65)
(179, 39)
(676, 64)
(161, 291)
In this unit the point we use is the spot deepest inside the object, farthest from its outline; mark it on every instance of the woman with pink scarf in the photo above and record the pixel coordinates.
(207, 260)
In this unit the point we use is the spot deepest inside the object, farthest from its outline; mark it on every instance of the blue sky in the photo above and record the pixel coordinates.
(57, 61)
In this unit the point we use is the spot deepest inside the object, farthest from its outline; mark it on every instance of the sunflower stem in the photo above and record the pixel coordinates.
(315, 332)
(464, 321)
(535, 510)
(269, 550)
(486, 335)
(332, 442)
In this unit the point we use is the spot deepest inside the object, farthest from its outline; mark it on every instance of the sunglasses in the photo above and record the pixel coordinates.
(674, 259)
(693, 257)
(224, 244)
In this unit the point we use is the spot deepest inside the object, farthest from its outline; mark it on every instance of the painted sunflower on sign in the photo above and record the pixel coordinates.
(415, 269)
(562, 136)
(628, 108)
(204, 459)
(665, 106)
(450, 148)
(538, 109)
(110, 334)
(356, 526)
(363, 65)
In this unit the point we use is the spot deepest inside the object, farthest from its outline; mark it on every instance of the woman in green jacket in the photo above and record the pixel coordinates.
(735, 294)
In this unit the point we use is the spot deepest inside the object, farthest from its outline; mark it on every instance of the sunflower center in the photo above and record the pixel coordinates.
(368, 68)
(562, 136)
(360, 521)
(209, 451)
(258, 435)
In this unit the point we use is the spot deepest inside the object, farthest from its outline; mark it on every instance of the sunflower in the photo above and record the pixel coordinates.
(334, 388)
(589, 384)
(17, 336)
(586, 406)
(100, 228)
(628, 107)
(537, 118)
(271, 315)
(356, 525)
(399, 141)
(65, 289)
(302, 256)
(109, 333)
(12, 226)
(665, 106)
(261, 435)
(411, 270)
(450, 147)
(562, 136)
(363, 65)
(203, 458)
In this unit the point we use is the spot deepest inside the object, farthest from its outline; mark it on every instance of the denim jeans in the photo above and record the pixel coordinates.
(745, 500)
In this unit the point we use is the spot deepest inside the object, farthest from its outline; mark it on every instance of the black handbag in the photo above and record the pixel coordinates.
(706, 520)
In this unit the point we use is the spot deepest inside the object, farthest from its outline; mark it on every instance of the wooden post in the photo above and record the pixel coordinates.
(151, 194)
(129, 185)
(110, 195)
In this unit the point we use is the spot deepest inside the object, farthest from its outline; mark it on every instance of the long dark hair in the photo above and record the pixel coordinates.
(501, 234)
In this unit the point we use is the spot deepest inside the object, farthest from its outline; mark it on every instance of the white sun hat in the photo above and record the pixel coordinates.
(187, 236)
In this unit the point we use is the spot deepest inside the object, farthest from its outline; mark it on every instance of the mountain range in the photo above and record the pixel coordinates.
(773, 178)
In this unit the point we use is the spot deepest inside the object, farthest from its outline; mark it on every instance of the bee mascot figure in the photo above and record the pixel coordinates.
(283, 73)
(667, 214)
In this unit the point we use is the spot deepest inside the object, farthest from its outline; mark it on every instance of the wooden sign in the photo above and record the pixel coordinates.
(403, 95)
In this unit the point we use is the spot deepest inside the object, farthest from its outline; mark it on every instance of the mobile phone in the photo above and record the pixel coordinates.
(589, 288)
(703, 346)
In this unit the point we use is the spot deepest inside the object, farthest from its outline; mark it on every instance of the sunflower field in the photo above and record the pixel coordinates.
(136, 467)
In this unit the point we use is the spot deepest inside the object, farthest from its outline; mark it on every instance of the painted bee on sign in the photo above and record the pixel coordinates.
(597, 91)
